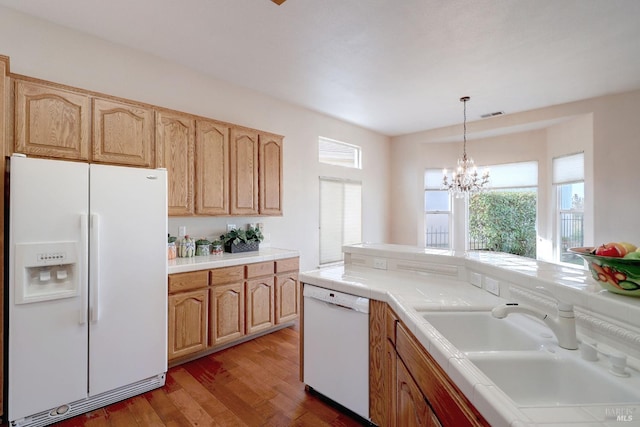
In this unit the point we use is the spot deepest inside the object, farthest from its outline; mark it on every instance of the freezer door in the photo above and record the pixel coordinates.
(47, 351)
(128, 276)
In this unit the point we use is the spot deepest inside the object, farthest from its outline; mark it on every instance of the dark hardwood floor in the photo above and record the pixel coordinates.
(252, 384)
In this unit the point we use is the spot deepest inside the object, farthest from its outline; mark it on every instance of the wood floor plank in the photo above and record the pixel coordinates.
(254, 384)
(192, 411)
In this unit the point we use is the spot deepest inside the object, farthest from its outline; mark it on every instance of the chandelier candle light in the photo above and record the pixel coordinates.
(465, 178)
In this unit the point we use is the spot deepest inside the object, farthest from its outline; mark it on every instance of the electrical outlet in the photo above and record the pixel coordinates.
(380, 263)
(492, 285)
(231, 227)
(476, 279)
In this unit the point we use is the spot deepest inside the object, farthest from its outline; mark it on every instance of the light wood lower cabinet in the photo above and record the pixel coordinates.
(227, 313)
(212, 309)
(260, 304)
(287, 290)
(412, 389)
(188, 322)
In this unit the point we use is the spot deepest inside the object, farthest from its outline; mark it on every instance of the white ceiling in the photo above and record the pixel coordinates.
(393, 66)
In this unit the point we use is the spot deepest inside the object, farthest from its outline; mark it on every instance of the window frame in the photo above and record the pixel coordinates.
(432, 187)
(356, 158)
(575, 176)
(343, 181)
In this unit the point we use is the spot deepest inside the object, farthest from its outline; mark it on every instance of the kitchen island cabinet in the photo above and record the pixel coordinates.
(407, 386)
(214, 308)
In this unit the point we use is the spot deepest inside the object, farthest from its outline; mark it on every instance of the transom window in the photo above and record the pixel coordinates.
(339, 153)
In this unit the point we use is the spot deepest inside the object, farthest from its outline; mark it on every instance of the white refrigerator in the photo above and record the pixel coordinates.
(87, 291)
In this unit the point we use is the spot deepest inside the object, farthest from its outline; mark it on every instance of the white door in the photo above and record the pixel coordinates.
(128, 278)
(47, 352)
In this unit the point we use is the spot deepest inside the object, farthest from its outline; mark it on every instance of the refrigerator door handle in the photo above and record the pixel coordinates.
(84, 235)
(94, 282)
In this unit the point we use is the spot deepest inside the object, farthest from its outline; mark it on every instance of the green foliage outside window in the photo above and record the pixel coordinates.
(503, 221)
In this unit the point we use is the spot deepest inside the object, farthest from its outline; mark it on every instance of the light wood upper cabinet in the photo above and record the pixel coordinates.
(244, 172)
(51, 122)
(123, 133)
(175, 143)
(270, 168)
(212, 168)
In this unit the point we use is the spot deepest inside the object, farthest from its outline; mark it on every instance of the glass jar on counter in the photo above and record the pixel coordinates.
(172, 252)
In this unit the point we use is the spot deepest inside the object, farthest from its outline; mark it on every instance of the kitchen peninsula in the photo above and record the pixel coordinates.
(405, 284)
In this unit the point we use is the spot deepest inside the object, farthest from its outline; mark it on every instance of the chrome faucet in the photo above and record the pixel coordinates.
(563, 326)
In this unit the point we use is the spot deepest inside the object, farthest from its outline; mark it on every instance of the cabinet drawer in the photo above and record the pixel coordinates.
(186, 281)
(289, 264)
(224, 275)
(259, 269)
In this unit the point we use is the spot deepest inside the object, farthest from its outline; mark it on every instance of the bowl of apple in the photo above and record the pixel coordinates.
(615, 266)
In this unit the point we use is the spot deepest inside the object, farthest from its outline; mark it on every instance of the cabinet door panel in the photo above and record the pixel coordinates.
(413, 410)
(287, 297)
(260, 304)
(175, 136)
(270, 174)
(212, 168)
(187, 323)
(51, 122)
(244, 172)
(227, 313)
(122, 133)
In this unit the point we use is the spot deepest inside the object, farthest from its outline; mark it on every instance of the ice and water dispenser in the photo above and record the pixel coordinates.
(46, 271)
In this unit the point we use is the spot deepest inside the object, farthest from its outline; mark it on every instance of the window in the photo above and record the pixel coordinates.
(503, 218)
(568, 179)
(340, 217)
(437, 211)
(338, 153)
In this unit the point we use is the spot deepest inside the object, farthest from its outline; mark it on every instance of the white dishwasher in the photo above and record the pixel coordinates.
(336, 347)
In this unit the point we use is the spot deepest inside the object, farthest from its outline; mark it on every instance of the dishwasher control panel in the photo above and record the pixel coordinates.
(338, 298)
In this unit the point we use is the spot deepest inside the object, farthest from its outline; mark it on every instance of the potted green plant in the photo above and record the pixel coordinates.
(238, 240)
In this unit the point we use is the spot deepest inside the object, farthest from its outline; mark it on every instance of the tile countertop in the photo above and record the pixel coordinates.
(184, 265)
(410, 292)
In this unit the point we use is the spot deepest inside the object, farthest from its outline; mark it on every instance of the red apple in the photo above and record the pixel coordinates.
(610, 249)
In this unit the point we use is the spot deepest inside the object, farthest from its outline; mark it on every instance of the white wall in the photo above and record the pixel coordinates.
(606, 128)
(50, 52)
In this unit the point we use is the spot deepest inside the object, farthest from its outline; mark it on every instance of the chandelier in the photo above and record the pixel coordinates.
(465, 179)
